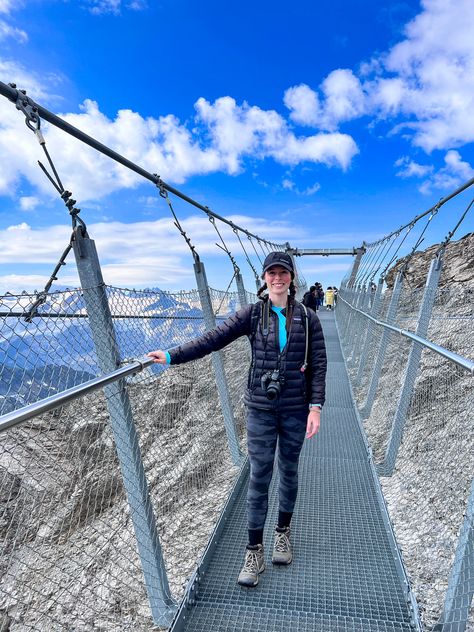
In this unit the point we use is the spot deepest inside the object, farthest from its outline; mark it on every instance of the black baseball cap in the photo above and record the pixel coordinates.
(278, 259)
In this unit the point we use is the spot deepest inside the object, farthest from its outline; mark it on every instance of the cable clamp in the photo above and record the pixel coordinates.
(32, 119)
(161, 186)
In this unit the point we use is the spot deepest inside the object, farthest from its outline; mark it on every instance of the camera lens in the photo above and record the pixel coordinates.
(273, 390)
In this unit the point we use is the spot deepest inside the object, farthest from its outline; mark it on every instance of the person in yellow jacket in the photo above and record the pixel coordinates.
(329, 298)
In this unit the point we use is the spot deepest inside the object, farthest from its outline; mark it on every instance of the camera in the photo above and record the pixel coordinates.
(272, 382)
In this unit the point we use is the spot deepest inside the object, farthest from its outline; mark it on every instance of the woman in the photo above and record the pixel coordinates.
(284, 397)
(329, 298)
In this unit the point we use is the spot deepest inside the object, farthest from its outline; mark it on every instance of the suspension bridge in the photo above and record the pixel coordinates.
(123, 485)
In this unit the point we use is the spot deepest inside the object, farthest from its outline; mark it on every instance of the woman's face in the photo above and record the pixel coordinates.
(278, 280)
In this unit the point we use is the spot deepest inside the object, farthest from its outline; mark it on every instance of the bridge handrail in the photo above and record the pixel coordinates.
(465, 363)
(58, 399)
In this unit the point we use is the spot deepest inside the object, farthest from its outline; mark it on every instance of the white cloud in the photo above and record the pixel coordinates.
(432, 83)
(17, 227)
(424, 84)
(7, 5)
(29, 202)
(455, 172)
(7, 30)
(99, 7)
(240, 131)
(410, 168)
(303, 103)
(138, 254)
(16, 283)
(289, 185)
(342, 100)
(224, 136)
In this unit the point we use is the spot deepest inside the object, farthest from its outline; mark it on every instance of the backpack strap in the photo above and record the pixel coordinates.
(306, 326)
(255, 319)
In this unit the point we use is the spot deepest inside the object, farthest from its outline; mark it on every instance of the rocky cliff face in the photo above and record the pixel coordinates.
(458, 264)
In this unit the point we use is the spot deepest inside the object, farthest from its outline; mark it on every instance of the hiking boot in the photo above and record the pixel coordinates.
(282, 552)
(254, 565)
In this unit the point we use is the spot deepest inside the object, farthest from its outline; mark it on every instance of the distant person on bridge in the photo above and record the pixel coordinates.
(329, 298)
(284, 396)
(310, 299)
(319, 295)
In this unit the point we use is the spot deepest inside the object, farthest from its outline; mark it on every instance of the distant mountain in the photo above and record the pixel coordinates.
(56, 350)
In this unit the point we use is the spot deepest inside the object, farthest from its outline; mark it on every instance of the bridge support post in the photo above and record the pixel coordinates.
(374, 380)
(460, 590)
(388, 464)
(358, 319)
(218, 365)
(355, 266)
(355, 299)
(124, 431)
(375, 311)
(241, 289)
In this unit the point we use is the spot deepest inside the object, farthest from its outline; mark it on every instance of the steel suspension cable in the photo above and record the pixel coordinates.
(384, 271)
(33, 122)
(164, 194)
(390, 243)
(255, 250)
(450, 235)
(27, 105)
(369, 256)
(246, 255)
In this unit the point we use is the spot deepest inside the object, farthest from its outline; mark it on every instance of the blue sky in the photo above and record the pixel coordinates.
(324, 124)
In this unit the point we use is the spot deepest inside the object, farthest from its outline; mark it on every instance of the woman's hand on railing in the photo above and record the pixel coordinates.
(159, 357)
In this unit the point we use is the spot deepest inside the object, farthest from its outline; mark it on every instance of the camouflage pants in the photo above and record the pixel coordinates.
(263, 429)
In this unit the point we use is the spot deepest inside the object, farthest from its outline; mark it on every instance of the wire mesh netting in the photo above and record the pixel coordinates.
(429, 492)
(69, 547)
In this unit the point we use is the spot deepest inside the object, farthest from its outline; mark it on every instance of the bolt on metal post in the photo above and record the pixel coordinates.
(218, 365)
(124, 431)
(387, 466)
(377, 370)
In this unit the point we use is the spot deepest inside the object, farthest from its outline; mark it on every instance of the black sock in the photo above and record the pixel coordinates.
(255, 537)
(284, 519)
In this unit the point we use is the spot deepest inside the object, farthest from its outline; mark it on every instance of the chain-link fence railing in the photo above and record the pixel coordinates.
(71, 510)
(416, 406)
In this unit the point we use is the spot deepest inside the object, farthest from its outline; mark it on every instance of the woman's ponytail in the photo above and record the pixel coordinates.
(260, 292)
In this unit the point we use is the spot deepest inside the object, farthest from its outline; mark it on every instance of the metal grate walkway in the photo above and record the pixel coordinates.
(346, 574)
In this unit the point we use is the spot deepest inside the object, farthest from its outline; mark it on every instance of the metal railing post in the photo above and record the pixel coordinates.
(356, 297)
(218, 365)
(376, 305)
(374, 380)
(355, 267)
(359, 322)
(241, 289)
(460, 590)
(124, 431)
(388, 464)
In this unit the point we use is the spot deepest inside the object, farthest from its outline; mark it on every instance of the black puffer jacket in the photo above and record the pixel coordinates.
(299, 388)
